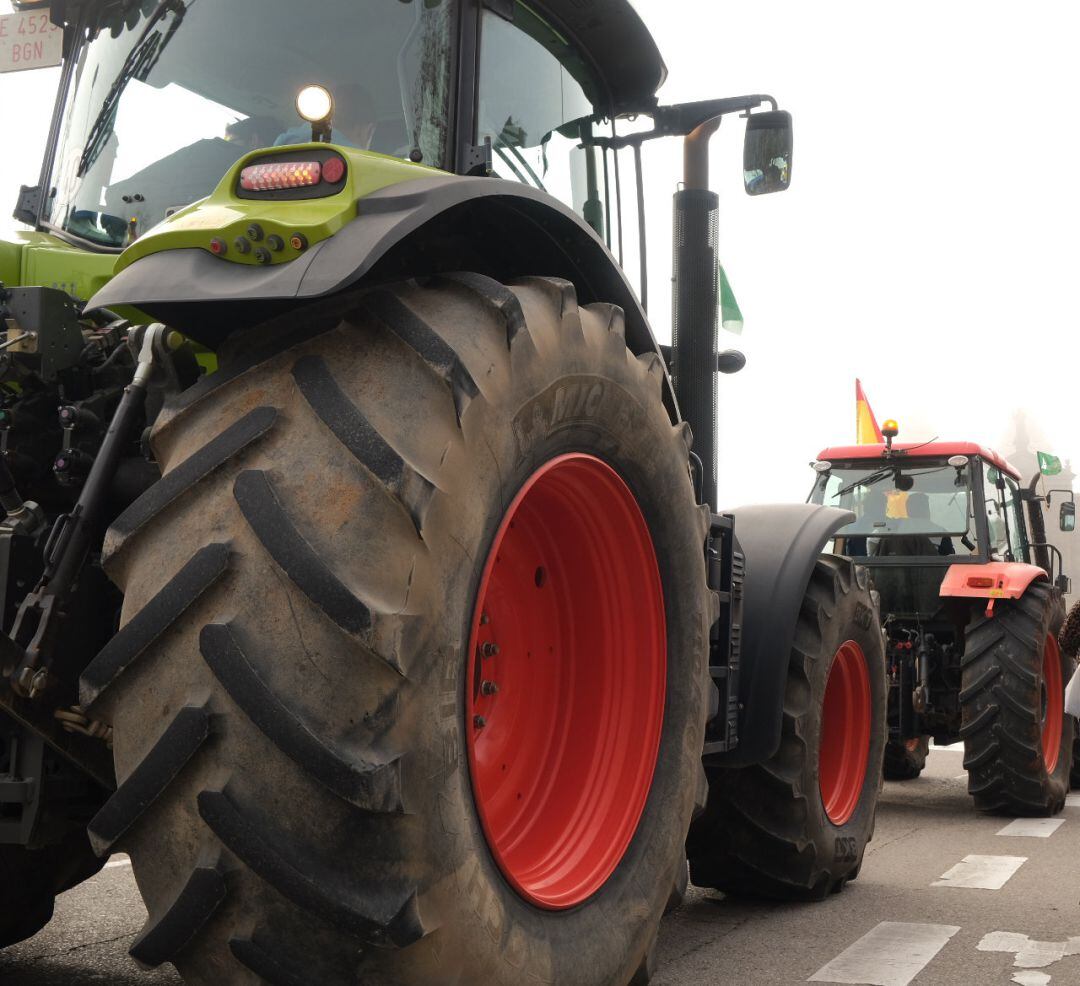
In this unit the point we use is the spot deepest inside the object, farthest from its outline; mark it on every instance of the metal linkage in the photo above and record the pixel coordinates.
(26, 655)
(34, 631)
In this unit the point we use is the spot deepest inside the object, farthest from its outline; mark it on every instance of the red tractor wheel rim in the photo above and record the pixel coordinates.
(568, 668)
(1053, 689)
(845, 733)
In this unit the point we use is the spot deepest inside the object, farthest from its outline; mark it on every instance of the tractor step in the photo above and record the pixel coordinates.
(726, 570)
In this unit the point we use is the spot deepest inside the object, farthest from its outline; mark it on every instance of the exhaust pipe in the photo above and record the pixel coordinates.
(696, 301)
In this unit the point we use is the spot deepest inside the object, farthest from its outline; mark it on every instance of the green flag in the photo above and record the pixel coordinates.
(730, 316)
(1049, 465)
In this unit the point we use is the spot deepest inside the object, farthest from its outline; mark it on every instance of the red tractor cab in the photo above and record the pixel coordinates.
(971, 598)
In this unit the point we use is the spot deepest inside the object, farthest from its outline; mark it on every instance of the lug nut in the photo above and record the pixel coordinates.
(488, 688)
(479, 722)
(489, 650)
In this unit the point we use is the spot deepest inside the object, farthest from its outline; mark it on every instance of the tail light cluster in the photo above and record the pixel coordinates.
(314, 173)
(269, 177)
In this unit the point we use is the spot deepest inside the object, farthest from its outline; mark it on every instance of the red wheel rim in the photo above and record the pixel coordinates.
(1053, 697)
(565, 696)
(845, 733)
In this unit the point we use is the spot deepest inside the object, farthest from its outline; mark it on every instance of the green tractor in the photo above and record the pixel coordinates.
(361, 580)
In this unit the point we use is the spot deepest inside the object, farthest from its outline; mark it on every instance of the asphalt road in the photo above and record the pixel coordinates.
(891, 927)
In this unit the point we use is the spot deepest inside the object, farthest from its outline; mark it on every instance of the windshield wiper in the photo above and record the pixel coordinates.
(874, 477)
(140, 60)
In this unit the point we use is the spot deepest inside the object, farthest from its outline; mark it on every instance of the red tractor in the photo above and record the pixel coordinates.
(971, 608)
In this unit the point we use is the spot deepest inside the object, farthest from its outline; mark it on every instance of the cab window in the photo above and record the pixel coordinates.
(536, 103)
(1016, 518)
(1003, 517)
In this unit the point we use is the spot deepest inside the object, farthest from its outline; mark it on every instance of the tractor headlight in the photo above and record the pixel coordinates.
(314, 103)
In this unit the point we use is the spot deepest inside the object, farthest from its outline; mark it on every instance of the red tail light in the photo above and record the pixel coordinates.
(284, 174)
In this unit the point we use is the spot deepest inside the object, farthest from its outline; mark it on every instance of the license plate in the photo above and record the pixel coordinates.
(29, 40)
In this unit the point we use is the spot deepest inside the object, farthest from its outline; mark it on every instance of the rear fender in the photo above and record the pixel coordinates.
(409, 229)
(782, 543)
(1009, 580)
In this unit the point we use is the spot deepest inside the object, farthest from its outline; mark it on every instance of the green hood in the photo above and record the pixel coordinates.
(31, 259)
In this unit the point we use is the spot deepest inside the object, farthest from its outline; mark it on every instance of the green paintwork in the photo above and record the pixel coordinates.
(32, 259)
(42, 260)
(225, 216)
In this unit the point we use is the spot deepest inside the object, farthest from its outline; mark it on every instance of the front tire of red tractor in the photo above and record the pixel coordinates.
(411, 682)
(905, 760)
(1069, 641)
(796, 826)
(1018, 742)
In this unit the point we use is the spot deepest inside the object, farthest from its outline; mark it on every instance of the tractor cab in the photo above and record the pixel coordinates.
(161, 98)
(919, 510)
(929, 506)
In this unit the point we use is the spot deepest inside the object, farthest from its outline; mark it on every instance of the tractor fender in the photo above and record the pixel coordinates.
(411, 229)
(994, 580)
(781, 544)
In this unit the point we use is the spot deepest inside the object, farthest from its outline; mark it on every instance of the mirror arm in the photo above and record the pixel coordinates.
(681, 120)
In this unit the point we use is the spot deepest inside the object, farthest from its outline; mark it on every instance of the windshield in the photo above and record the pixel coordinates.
(166, 96)
(904, 508)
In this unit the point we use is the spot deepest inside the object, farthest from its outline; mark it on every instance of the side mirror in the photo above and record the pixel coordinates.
(767, 152)
(1067, 516)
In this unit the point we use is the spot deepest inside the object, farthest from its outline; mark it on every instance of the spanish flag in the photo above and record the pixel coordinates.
(867, 431)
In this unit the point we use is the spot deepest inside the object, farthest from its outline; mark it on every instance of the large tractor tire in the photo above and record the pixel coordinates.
(412, 680)
(1069, 641)
(905, 759)
(796, 826)
(1018, 742)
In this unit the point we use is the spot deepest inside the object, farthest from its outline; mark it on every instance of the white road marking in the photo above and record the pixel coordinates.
(1072, 800)
(892, 954)
(961, 777)
(981, 872)
(1029, 953)
(112, 864)
(1029, 978)
(1036, 828)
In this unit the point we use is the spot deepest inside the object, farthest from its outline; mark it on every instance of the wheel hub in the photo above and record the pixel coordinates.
(845, 733)
(565, 700)
(1053, 703)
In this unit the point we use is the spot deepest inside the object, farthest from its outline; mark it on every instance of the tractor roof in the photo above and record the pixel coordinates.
(612, 35)
(921, 450)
